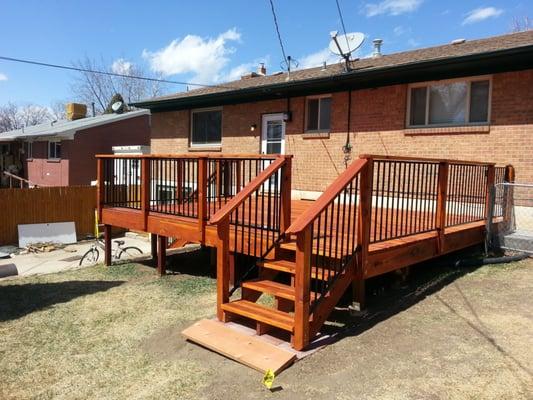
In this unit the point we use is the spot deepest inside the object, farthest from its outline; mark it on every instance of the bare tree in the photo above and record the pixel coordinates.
(58, 111)
(13, 116)
(521, 24)
(92, 87)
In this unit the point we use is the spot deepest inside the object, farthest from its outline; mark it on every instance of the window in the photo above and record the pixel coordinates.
(318, 114)
(54, 150)
(449, 103)
(29, 150)
(206, 127)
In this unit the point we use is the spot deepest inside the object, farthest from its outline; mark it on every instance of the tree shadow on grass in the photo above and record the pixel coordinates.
(18, 300)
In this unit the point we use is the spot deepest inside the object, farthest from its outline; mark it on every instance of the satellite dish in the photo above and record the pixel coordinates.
(345, 45)
(117, 106)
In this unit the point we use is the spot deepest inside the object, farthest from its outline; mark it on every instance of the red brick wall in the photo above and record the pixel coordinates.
(100, 140)
(377, 126)
(78, 165)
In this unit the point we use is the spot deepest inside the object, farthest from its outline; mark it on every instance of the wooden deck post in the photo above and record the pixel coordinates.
(508, 197)
(363, 234)
(442, 194)
(302, 287)
(153, 246)
(223, 266)
(107, 245)
(145, 189)
(286, 188)
(161, 255)
(202, 196)
(100, 187)
(491, 176)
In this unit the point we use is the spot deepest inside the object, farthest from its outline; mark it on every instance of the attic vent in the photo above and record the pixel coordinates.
(458, 41)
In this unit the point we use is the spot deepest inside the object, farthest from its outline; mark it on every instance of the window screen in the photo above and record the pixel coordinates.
(318, 114)
(312, 114)
(479, 101)
(418, 106)
(207, 127)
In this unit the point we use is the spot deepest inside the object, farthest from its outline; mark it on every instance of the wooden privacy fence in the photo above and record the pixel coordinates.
(45, 205)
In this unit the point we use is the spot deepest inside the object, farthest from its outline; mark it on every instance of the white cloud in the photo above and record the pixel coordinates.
(317, 59)
(206, 58)
(401, 30)
(480, 14)
(3, 77)
(391, 7)
(121, 66)
(413, 42)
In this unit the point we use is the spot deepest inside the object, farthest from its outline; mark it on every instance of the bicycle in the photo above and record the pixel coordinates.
(92, 255)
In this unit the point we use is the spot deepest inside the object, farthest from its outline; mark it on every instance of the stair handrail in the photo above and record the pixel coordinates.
(311, 213)
(20, 179)
(249, 189)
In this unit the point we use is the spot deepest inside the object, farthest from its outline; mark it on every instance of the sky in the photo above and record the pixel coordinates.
(215, 41)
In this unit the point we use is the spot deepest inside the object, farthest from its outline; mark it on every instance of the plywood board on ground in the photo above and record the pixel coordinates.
(250, 351)
(56, 232)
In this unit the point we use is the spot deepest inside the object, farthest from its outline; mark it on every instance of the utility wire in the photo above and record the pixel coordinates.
(342, 23)
(110, 73)
(279, 35)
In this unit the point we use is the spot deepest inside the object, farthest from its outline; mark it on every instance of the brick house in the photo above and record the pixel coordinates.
(63, 153)
(468, 100)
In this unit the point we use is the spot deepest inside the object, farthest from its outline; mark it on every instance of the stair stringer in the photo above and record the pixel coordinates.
(331, 299)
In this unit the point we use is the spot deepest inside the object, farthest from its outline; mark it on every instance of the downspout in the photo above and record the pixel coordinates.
(347, 148)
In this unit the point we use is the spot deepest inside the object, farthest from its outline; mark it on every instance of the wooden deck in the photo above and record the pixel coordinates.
(379, 215)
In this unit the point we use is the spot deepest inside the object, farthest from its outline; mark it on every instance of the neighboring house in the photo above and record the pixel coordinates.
(469, 100)
(62, 153)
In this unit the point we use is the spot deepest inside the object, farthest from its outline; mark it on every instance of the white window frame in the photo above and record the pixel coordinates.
(198, 110)
(49, 155)
(467, 122)
(320, 96)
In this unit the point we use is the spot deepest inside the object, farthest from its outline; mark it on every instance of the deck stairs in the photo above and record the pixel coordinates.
(276, 277)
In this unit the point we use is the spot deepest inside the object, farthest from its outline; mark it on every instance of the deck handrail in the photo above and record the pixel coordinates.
(327, 197)
(193, 156)
(254, 184)
(425, 159)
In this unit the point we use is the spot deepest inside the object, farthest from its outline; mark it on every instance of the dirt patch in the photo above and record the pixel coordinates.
(166, 344)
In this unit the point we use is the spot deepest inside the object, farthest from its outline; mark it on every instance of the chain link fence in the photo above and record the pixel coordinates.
(512, 205)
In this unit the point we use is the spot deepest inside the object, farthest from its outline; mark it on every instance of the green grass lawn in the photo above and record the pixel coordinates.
(81, 334)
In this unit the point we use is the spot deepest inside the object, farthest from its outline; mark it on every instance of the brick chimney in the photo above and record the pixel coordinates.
(75, 111)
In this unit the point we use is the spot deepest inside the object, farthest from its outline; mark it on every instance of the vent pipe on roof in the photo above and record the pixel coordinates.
(377, 47)
(262, 69)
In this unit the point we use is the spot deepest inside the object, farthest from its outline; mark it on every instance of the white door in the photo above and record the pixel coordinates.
(273, 134)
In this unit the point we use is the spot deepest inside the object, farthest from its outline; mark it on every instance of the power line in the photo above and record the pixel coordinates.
(279, 35)
(20, 60)
(342, 23)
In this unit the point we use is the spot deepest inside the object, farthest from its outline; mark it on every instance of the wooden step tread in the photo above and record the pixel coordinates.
(248, 350)
(260, 313)
(270, 287)
(290, 267)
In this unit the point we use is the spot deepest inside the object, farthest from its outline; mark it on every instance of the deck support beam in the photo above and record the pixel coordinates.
(363, 235)
(223, 266)
(302, 288)
(161, 255)
(107, 245)
(153, 247)
(442, 194)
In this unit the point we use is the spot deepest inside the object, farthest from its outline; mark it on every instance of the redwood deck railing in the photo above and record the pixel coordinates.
(191, 186)
(253, 221)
